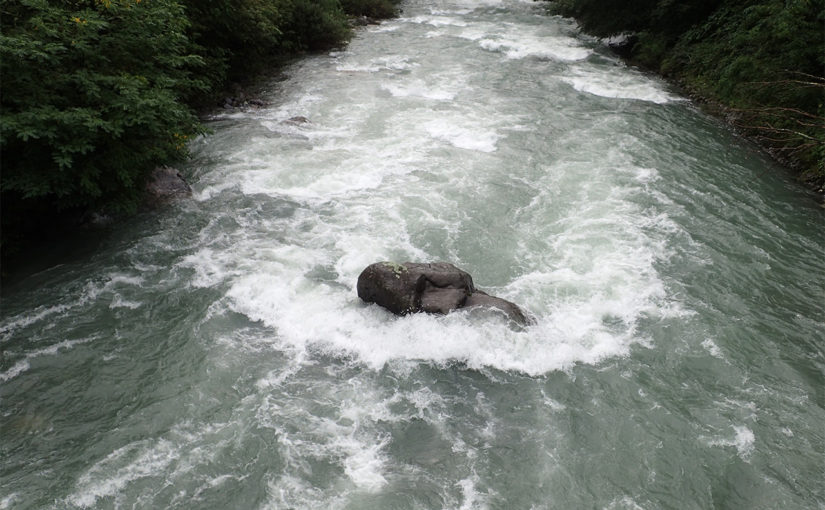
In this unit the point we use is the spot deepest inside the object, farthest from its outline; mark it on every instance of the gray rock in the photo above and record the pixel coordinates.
(513, 312)
(436, 288)
(296, 120)
(166, 183)
(442, 301)
(362, 21)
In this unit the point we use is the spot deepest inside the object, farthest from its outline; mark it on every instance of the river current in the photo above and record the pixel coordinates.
(214, 353)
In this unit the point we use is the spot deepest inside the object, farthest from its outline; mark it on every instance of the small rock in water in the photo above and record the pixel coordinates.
(166, 183)
(296, 120)
(230, 103)
(362, 21)
(438, 288)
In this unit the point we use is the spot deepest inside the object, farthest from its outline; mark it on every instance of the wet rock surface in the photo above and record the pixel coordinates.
(438, 288)
(167, 183)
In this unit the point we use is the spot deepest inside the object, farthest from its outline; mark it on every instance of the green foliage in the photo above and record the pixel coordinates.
(314, 24)
(608, 17)
(763, 59)
(96, 93)
(666, 18)
(650, 49)
(90, 98)
(236, 37)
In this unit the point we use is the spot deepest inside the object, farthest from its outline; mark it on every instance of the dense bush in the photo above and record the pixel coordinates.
(96, 93)
(237, 37)
(763, 59)
(91, 98)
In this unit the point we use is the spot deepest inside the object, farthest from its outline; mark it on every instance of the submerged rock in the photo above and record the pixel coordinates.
(362, 21)
(432, 288)
(296, 120)
(482, 299)
(166, 183)
(241, 101)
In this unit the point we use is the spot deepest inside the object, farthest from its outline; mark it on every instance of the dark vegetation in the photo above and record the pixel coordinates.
(761, 63)
(95, 93)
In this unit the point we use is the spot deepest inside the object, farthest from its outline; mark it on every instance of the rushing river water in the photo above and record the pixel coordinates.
(214, 354)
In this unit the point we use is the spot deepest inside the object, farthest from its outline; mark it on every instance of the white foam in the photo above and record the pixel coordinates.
(597, 276)
(28, 318)
(346, 436)
(53, 349)
(7, 501)
(364, 464)
(342, 326)
(108, 477)
(384, 63)
(743, 440)
(167, 460)
(119, 301)
(16, 369)
(471, 498)
(624, 503)
(288, 491)
(593, 280)
(478, 31)
(375, 180)
(470, 137)
(385, 27)
(418, 89)
(437, 21)
(450, 12)
(210, 267)
(24, 365)
(215, 482)
(532, 45)
(89, 293)
(618, 83)
(471, 5)
(124, 279)
(359, 164)
(426, 402)
(712, 348)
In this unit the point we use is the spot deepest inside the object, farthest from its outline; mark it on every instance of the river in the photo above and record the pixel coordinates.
(214, 353)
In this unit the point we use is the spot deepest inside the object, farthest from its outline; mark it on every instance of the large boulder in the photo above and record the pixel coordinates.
(437, 287)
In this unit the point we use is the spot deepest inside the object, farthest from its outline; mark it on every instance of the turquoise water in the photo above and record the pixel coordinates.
(214, 353)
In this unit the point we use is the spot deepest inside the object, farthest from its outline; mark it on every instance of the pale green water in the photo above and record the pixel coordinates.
(215, 354)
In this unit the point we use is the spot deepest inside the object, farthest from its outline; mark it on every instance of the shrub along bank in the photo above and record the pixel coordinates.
(761, 61)
(96, 93)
